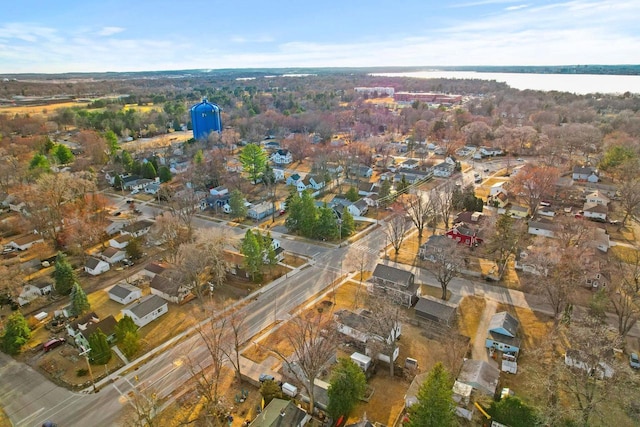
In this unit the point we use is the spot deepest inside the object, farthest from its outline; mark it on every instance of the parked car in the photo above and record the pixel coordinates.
(127, 262)
(266, 377)
(51, 344)
(135, 191)
(117, 214)
(634, 361)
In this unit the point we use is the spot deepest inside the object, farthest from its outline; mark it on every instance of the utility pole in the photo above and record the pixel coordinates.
(85, 353)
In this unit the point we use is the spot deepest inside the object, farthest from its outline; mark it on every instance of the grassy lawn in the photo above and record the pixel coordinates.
(40, 109)
(469, 313)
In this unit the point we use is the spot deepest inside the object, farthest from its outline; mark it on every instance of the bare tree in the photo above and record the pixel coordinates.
(233, 342)
(443, 201)
(313, 340)
(144, 405)
(446, 262)
(202, 261)
(167, 230)
(396, 229)
(534, 183)
(420, 209)
(357, 259)
(384, 326)
(184, 205)
(624, 292)
(629, 190)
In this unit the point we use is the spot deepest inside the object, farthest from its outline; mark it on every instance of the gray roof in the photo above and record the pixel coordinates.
(166, 285)
(92, 263)
(111, 251)
(594, 207)
(106, 325)
(122, 290)
(393, 274)
(154, 267)
(543, 224)
(504, 320)
(147, 305)
(353, 320)
(438, 308)
(138, 226)
(480, 375)
(583, 170)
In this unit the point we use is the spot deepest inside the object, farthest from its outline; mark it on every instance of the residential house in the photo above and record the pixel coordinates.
(33, 290)
(294, 179)
(113, 227)
(585, 173)
(107, 326)
(444, 169)
(110, 176)
(399, 284)
(464, 235)
(151, 269)
(81, 323)
(281, 413)
(235, 262)
(436, 310)
(499, 200)
(334, 169)
(218, 201)
(138, 228)
(261, 210)
(357, 327)
(314, 182)
(598, 197)
(95, 266)
(278, 174)
(146, 310)
(271, 145)
(113, 255)
(152, 188)
(363, 171)
(502, 333)
(412, 176)
(278, 251)
(220, 190)
(543, 227)
(25, 242)
(480, 375)
(608, 190)
(410, 164)
(130, 182)
(595, 211)
(120, 242)
(430, 249)
(367, 188)
(490, 151)
(359, 208)
(170, 289)
(469, 217)
(124, 293)
(282, 157)
(600, 239)
(514, 211)
(497, 188)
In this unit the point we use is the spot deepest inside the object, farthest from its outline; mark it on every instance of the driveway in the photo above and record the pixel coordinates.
(479, 351)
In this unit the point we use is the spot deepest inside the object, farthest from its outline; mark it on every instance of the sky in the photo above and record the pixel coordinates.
(44, 36)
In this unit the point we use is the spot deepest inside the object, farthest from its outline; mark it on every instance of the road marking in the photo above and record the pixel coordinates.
(31, 416)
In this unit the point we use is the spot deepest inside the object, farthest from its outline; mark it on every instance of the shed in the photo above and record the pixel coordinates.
(436, 310)
(362, 360)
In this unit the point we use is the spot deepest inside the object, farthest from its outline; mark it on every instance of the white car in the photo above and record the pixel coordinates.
(136, 191)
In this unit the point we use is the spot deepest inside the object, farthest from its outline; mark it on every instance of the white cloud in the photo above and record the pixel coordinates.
(109, 31)
(520, 6)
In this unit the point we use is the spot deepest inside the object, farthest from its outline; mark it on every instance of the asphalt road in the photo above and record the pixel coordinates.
(30, 399)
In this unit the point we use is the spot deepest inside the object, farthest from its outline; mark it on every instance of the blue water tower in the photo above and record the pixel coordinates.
(205, 118)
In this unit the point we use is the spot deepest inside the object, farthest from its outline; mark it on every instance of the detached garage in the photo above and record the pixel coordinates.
(436, 310)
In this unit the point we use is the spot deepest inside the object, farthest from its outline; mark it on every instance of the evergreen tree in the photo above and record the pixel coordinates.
(294, 209)
(63, 154)
(513, 412)
(270, 390)
(268, 250)
(327, 225)
(309, 214)
(402, 185)
(252, 250)
(124, 326)
(134, 249)
(16, 333)
(352, 194)
(236, 202)
(79, 302)
(112, 142)
(100, 353)
(385, 192)
(198, 158)
(348, 225)
(118, 183)
(127, 161)
(40, 163)
(346, 387)
(165, 174)
(435, 401)
(148, 170)
(254, 160)
(63, 275)
(127, 335)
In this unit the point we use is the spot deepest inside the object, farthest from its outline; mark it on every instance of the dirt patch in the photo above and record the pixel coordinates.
(469, 313)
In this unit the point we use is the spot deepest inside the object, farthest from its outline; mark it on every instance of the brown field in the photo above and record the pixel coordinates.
(44, 110)
(469, 313)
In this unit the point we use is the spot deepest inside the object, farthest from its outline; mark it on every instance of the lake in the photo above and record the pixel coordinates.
(574, 83)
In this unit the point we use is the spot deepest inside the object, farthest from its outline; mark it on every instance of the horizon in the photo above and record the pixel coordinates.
(37, 37)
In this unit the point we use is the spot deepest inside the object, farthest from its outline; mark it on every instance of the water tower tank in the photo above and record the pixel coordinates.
(205, 117)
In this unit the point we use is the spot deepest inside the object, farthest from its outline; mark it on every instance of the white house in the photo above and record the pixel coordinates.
(278, 174)
(598, 197)
(169, 289)
(95, 266)
(152, 188)
(124, 293)
(220, 190)
(542, 228)
(113, 255)
(582, 173)
(490, 151)
(114, 226)
(314, 182)
(120, 242)
(146, 310)
(595, 211)
(294, 179)
(31, 291)
(443, 170)
(356, 326)
(497, 188)
(358, 208)
(282, 157)
(260, 210)
(138, 228)
(25, 242)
